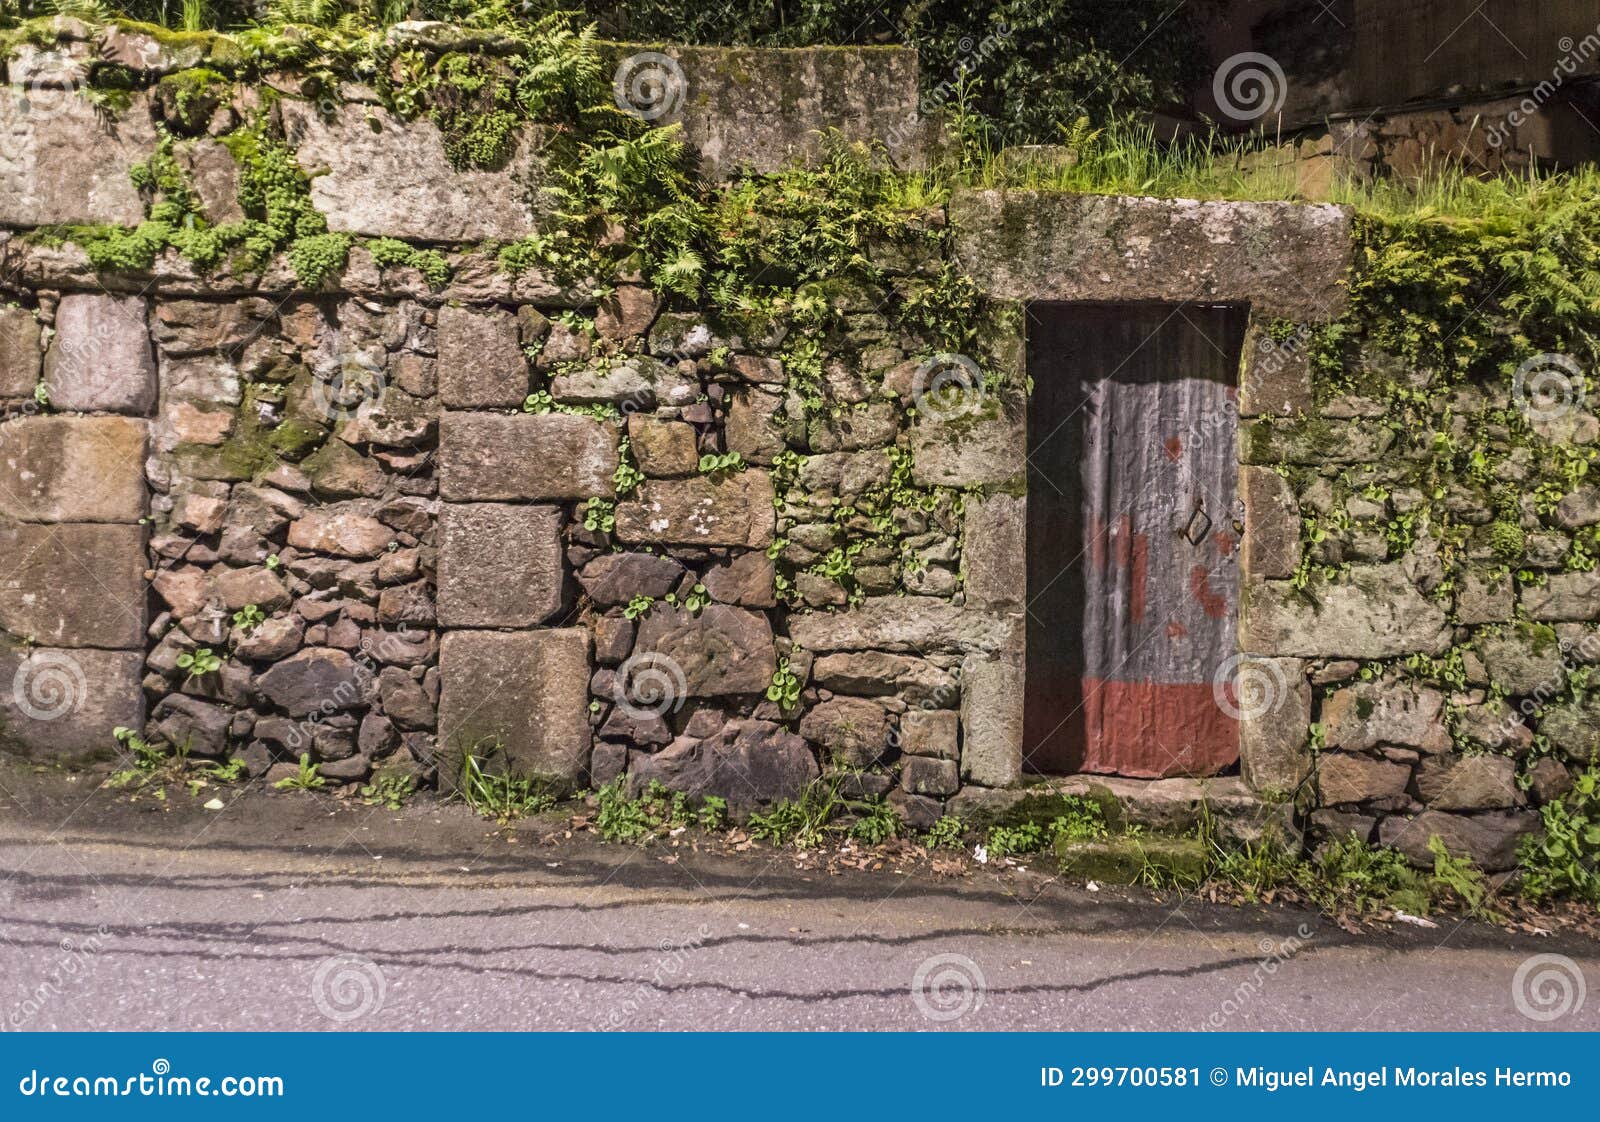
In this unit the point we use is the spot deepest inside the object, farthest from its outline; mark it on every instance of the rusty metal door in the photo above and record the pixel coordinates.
(1132, 545)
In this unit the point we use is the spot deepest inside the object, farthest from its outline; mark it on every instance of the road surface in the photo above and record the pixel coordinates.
(298, 912)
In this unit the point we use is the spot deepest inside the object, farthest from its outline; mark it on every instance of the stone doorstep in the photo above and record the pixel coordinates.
(1169, 806)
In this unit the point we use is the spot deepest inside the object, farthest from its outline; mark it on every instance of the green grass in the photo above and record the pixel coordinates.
(499, 795)
(1128, 158)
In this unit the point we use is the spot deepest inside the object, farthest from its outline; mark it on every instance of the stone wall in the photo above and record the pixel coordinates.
(592, 531)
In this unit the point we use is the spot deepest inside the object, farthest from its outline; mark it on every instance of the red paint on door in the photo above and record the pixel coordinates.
(1132, 567)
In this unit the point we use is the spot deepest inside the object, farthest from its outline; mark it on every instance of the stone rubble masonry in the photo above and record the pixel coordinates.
(428, 585)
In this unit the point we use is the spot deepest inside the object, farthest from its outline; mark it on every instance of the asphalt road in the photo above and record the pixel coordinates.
(294, 912)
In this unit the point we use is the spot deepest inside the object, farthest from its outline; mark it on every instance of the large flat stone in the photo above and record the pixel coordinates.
(62, 162)
(100, 359)
(530, 457)
(919, 624)
(73, 585)
(1271, 545)
(1348, 777)
(991, 720)
(500, 565)
(1275, 378)
(1367, 715)
(481, 364)
(1377, 612)
(1491, 840)
(994, 550)
(375, 174)
(764, 109)
(985, 448)
(316, 680)
(72, 469)
(526, 691)
(1274, 702)
(752, 764)
(854, 731)
(726, 510)
(60, 704)
(1284, 259)
(1564, 597)
(880, 674)
(1483, 782)
(616, 578)
(720, 650)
